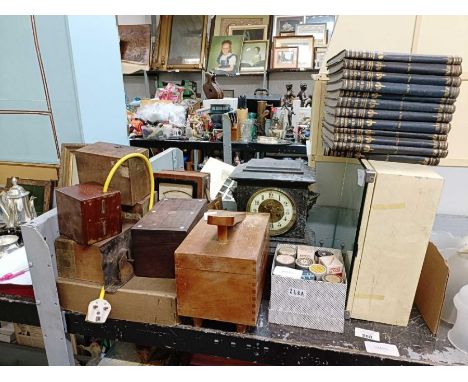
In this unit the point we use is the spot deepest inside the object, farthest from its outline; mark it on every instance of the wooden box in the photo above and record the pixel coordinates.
(142, 299)
(104, 262)
(182, 184)
(223, 280)
(398, 212)
(29, 335)
(136, 212)
(86, 214)
(132, 178)
(159, 233)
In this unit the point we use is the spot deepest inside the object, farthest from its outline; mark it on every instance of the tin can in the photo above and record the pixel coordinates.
(289, 250)
(285, 261)
(318, 270)
(303, 263)
(333, 279)
(307, 275)
(319, 253)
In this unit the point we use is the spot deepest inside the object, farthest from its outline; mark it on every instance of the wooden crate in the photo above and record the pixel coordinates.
(223, 280)
(88, 215)
(104, 262)
(159, 233)
(29, 335)
(397, 217)
(132, 178)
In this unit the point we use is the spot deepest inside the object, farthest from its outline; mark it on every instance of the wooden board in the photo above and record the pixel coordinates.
(142, 299)
(402, 211)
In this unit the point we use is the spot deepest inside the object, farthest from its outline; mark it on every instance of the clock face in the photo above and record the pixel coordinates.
(278, 204)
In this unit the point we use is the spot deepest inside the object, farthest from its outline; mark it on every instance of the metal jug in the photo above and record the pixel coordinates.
(16, 206)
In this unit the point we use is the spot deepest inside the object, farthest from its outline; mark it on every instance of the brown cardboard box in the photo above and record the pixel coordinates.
(142, 299)
(431, 288)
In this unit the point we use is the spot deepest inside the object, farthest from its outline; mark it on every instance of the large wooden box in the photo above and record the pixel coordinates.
(223, 281)
(141, 300)
(159, 233)
(182, 184)
(397, 216)
(132, 178)
(105, 262)
(88, 215)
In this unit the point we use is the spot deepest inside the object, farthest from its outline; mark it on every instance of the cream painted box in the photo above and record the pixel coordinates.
(398, 212)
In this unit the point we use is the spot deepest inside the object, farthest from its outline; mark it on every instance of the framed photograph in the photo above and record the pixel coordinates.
(135, 43)
(250, 32)
(254, 57)
(228, 93)
(68, 173)
(222, 23)
(330, 20)
(40, 189)
(319, 31)
(305, 45)
(319, 56)
(285, 58)
(284, 24)
(225, 55)
(187, 42)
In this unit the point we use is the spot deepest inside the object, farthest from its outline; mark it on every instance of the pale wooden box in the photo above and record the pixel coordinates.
(398, 212)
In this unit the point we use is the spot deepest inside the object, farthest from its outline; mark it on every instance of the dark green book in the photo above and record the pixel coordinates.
(383, 124)
(388, 114)
(395, 141)
(435, 91)
(384, 133)
(396, 67)
(404, 78)
(393, 97)
(386, 104)
(429, 161)
(367, 148)
(398, 57)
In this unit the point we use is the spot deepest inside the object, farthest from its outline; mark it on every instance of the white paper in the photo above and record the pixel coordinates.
(219, 172)
(361, 177)
(12, 262)
(380, 348)
(287, 272)
(367, 334)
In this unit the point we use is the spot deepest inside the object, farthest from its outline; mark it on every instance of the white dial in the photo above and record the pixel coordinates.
(278, 204)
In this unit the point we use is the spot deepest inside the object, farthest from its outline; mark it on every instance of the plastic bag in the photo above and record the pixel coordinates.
(163, 112)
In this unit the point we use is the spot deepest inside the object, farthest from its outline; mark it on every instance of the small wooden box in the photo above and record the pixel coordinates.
(159, 233)
(182, 184)
(88, 215)
(29, 335)
(223, 281)
(105, 262)
(132, 178)
(136, 212)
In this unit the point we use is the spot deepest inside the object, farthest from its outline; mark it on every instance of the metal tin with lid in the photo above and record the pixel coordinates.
(319, 253)
(289, 250)
(285, 261)
(304, 263)
(333, 279)
(318, 270)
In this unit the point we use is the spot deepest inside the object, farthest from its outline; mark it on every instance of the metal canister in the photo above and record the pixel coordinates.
(318, 270)
(321, 253)
(289, 250)
(333, 279)
(285, 261)
(304, 263)
(307, 275)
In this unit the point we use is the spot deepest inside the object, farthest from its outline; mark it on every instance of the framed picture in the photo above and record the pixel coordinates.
(305, 45)
(285, 58)
(250, 32)
(187, 42)
(319, 31)
(284, 24)
(228, 93)
(225, 54)
(40, 189)
(68, 173)
(254, 57)
(330, 20)
(222, 23)
(319, 56)
(135, 43)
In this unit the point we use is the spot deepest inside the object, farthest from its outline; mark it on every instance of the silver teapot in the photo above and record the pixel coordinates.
(16, 206)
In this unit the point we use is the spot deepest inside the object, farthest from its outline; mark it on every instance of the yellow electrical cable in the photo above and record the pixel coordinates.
(101, 294)
(122, 160)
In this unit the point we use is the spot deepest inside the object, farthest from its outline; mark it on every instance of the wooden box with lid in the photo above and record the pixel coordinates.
(159, 233)
(88, 215)
(132, 180)
(220, 268)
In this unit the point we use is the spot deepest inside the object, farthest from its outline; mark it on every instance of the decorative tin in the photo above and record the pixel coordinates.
(304, 263)
(285, 261)
(321, 253)
(318, 270)
(332, 279)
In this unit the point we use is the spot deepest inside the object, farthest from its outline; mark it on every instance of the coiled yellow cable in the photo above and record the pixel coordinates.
(119, 163)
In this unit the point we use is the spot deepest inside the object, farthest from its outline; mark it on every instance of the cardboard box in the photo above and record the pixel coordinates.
(29, 335)
(142, 299)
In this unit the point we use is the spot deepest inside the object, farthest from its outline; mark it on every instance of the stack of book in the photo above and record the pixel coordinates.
(395, 107)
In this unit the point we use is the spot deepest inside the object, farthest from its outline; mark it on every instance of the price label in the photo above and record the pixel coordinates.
(380, 348)
(367, 334)
(298, 293)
